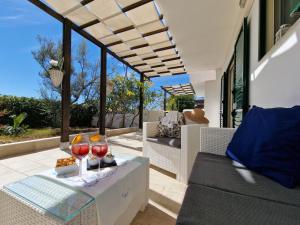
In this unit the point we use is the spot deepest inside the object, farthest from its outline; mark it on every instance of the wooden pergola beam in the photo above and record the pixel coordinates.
(141, 64)
(155, 32)
(150, 57)
(89, 24)
(66, 85)
(157, 66)
(85, 2)
(175, 74)
(165, 100)
(141, 106)
(129, 56)
(77, 29)
(139, 46)
(171, 59)
(176, 67)
(164, 48)
(135, 5)
(103, 78)
(124, 29)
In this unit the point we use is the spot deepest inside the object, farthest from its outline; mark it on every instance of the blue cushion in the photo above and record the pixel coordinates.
(268, 142)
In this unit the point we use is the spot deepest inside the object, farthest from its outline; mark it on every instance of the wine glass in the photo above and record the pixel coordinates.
(100, 149)
(79, 151)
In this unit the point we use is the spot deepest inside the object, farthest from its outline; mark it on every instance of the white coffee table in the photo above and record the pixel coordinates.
(120, 198)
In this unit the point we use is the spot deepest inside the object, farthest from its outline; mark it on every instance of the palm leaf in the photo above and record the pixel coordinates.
(18, 120)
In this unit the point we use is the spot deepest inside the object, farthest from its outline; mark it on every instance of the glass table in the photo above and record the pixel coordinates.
(54, 198)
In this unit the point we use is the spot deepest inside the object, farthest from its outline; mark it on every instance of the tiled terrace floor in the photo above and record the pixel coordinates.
(166, 193)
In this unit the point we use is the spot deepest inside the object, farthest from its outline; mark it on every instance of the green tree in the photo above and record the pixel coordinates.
(125, 96)
(180, 102)
(84, 73)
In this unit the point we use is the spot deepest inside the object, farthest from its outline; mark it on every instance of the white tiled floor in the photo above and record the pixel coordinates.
(166, 194)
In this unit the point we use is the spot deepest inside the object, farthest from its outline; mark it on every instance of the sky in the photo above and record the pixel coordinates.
(20, 24)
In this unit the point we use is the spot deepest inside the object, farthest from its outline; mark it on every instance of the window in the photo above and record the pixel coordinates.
(235, 83)
(282, 12)
(273, 14)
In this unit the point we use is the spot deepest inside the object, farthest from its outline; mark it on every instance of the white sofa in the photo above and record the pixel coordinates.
(178, 160)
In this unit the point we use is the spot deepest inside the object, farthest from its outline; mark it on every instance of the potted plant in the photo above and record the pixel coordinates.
(56, 72)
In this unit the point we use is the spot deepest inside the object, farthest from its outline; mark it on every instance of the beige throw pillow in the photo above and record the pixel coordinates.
(195, 116)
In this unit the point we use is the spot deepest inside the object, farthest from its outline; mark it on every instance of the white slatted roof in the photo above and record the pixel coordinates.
(182, 89)
(132, 29)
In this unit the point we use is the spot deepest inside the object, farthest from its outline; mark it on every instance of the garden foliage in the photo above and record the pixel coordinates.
(43, 113)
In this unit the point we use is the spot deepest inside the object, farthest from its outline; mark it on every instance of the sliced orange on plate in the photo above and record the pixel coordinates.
(77, 139)
(95, 138)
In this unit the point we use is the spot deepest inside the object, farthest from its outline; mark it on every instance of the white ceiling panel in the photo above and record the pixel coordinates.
(98, 30)
(145, 67)
(179, 70)
(133, 59)
(136, 42)
(129, 35)
(173, 62)
(204, 30)
(119, 48)
(118, 22)
(162, 44)
(103, 8)
(151, 61)
(143, 14)
(110, 39)
(155, 25)
(158, 38)
(81, 16)
(125, 3)
(149, 74)
(143, 51)
(166, 52)
(62, 6)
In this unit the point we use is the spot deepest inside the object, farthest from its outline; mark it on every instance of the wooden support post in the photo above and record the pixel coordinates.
(66, 86)
(103, 76)
(141, 107)
(165, 100)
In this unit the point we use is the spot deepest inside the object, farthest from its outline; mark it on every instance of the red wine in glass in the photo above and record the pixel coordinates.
(100, 150)
(80, 150)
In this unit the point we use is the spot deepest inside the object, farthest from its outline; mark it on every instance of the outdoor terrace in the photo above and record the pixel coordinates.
(166, 194)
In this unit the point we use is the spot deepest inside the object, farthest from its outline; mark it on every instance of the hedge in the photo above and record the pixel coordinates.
(44, 113)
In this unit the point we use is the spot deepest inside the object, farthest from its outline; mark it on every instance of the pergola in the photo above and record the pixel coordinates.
(181, 89)
(132, 31)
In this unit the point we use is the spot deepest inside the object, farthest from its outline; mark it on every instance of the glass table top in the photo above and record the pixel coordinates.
(51, 197)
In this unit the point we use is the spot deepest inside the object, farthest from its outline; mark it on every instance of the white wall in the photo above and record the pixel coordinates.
(212, 100)
(275, 80)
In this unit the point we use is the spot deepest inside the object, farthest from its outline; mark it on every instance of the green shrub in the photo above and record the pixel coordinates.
(181, 102)
(82, 115)
(37, 110)
(44, 113)
(16, 128)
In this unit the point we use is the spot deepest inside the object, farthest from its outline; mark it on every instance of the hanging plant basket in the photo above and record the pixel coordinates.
(109, 86)
(56, 77)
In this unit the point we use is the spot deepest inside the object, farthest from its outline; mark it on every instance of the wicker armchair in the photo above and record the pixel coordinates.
(215, 140)
(175, 160)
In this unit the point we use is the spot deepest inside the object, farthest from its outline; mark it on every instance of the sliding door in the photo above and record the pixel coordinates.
(240, 90)
(235, 83)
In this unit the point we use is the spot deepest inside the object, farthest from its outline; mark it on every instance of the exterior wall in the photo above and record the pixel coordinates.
(149, 116)
(212, 100)
(25, 147)
(274, 80)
